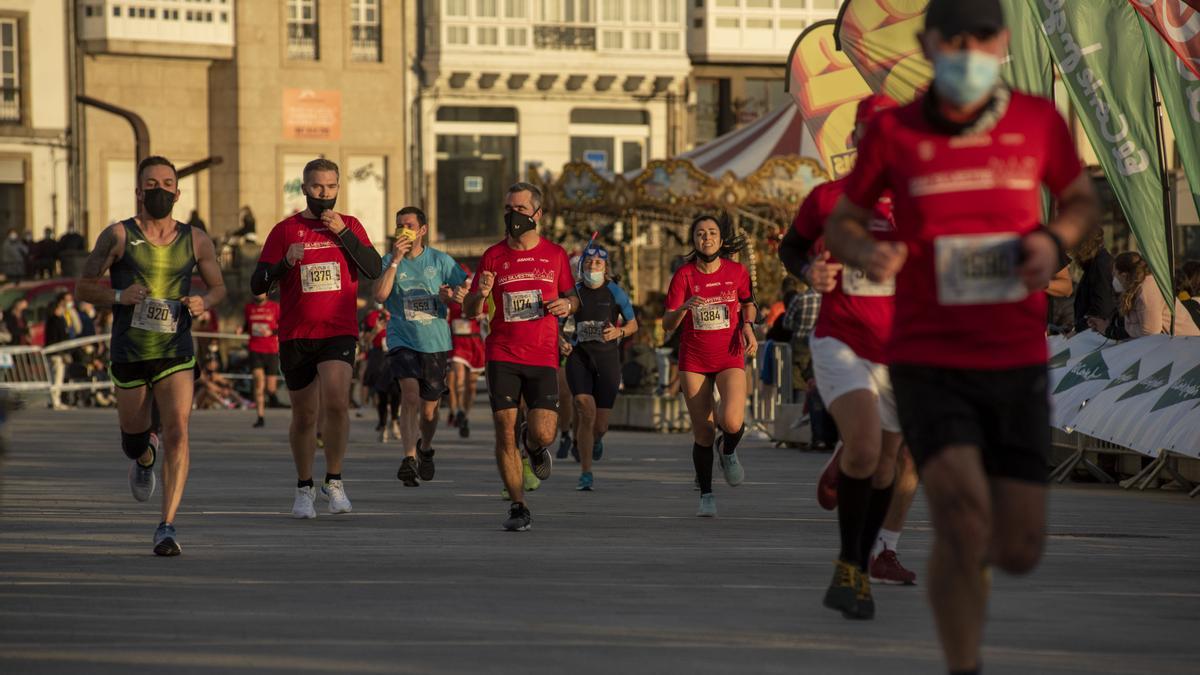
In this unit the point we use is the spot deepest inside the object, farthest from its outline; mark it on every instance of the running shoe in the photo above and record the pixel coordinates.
(708, 506)
(141, 478)
(519, 519)
(730, 466)
(886, 569)
(303, 506)
(542, 462)
(866, 603)
(597, 449)
(464, 427)
(260, 423)
(530, 478)
(563, 450)
(338, 501)
(585, 482)
(564, 444)
(425, 467)
(843, 592)
(408, 472)
(164, 541)
(827, 483)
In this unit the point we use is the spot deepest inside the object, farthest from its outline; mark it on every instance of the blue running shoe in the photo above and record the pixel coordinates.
(585, 482)
(597, 449)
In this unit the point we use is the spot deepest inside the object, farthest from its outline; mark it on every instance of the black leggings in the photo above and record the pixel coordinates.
(385, 400)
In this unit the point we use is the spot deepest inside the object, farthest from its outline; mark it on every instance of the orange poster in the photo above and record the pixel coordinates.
(311, 115)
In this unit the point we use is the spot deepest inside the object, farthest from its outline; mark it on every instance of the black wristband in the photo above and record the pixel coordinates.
(1058, 243)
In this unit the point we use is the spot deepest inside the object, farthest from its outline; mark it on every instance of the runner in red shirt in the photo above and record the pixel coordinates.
(712, 299)
(316, 256)
(847, 348)
(529, 280)
(467, 362)
(262, 325)
(964, 164)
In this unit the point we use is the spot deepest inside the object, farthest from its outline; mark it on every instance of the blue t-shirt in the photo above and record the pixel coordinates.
(418, 315)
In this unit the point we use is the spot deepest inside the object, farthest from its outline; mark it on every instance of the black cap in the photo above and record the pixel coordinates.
(954, 17)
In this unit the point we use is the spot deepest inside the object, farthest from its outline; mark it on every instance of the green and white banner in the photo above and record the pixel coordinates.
(1102, 56)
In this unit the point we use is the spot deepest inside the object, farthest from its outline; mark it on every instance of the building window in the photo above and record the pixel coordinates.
(487, 35)
(759, 24)
(364, 31)
(668, 41)
(517, 37)
(457, 35)
(727, 3)
(825, 4)
(302, 30)
(639, 12)
(668, 11)
(640, 39)
(613, 10)
(10, 73)
(763, 96)
(613, 39)
(793, 24)
(758, 4)
(727, 22)
(486, 8)
(697, 23)
(116, 10)
(792, 4)
(516, 9)
(456, 7)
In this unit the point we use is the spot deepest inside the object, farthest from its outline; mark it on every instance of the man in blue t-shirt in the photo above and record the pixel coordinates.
(417, 283)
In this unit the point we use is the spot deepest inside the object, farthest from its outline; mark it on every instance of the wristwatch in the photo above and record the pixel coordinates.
(117, 296)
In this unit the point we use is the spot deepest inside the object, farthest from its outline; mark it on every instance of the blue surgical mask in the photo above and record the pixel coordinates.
(593, 279)
(966, 76)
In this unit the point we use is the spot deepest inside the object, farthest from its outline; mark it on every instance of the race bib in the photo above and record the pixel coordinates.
(523, 306)
(260, 329)
(461, 327)
(157, 316)
(711, 317)
(589, 331)
(420, 308)
(856, 282)
(321, 277)
(978, 269)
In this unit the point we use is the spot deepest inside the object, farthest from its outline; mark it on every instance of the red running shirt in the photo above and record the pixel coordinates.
(711, 337)
(961, 205)
(319, 295)
(459, 326)
(371, 321)
(522, 331)
(262, 324)
(857, 311)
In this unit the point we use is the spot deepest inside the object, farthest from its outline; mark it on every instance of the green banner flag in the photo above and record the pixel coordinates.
(1028, 66)
(1180, 90)
(1099, 50)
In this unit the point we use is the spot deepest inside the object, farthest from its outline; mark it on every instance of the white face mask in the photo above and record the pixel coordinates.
(593, 279)
(1117, 285)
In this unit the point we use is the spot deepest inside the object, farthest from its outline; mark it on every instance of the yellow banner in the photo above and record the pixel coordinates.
(880, 39)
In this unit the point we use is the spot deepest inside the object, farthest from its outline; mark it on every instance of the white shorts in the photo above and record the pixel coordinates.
(840, 371)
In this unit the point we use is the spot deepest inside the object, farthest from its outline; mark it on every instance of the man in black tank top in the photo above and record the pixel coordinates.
(151, 257)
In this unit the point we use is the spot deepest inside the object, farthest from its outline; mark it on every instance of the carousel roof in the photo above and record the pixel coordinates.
(743, 151)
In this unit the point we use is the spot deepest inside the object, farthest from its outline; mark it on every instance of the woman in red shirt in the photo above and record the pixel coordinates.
(711, 297)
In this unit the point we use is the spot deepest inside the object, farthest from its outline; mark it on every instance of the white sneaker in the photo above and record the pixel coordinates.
(338, 501)
(303, 506)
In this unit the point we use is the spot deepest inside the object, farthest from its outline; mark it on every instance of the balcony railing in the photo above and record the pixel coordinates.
(10, 105)
(581, 38)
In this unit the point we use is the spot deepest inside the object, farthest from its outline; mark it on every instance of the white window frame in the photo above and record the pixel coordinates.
(366, 49)
(300, 50)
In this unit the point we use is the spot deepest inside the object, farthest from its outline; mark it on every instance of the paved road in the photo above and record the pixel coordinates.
(622, 580)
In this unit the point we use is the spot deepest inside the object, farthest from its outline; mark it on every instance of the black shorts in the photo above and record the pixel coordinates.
(427, 368)
(1005, 413)
(299, 358)
(136, 374)
(509, 383)
(595, 374)
(268, 362)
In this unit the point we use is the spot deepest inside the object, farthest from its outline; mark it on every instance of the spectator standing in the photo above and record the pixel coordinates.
(15, 322)
(1141, 309)
(45, 256)
(12, 256)
(1094, 295)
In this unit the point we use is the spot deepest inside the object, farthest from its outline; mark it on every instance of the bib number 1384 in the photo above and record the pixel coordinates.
(711, 317)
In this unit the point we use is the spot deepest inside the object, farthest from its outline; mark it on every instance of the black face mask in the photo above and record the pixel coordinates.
(708, 258)
(319, 206)
(517, 224)
(158, 202)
